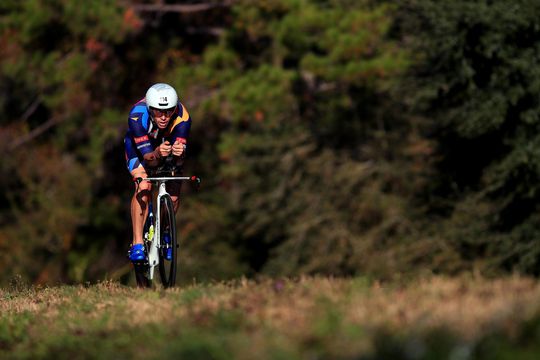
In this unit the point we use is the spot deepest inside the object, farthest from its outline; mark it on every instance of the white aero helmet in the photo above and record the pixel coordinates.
(161, 96)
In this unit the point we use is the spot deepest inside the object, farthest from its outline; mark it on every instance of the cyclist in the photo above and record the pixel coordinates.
(159, 127)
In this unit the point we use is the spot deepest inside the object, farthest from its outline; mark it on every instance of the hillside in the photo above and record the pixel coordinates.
(305, 318)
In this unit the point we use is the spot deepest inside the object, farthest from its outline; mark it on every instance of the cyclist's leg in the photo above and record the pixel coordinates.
(139, 204)
(143, 191)
(173, 188)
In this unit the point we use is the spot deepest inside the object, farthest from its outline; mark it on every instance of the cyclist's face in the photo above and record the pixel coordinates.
(162, 116)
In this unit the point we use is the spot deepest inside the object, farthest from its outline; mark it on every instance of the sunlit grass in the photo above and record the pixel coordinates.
(274, 319)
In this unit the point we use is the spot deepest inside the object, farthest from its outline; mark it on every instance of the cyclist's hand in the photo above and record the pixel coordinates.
(178, 148)
(165, 149)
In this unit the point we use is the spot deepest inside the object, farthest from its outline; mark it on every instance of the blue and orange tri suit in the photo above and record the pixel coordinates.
(143, 136)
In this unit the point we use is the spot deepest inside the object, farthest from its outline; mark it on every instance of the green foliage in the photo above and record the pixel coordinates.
(478, 80)
(57, 136)
(317, 154)
(290, 153)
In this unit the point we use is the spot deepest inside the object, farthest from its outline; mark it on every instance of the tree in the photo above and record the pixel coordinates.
(311, 145)
(478, 80)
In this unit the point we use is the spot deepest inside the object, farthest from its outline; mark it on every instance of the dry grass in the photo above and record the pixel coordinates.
(271, 318)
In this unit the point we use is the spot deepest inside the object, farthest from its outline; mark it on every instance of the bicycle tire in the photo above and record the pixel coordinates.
(141, 275)
(167, 268)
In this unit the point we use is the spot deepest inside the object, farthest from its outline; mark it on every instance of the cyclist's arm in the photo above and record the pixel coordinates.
(180, 132)
(153, 158)
(139, 132)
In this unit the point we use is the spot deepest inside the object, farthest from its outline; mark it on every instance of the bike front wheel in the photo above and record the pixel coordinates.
(168, 250)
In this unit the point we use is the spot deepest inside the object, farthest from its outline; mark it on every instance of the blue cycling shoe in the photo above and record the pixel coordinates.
(137, 253)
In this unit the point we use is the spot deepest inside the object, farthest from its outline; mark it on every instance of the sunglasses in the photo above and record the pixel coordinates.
(161, 112)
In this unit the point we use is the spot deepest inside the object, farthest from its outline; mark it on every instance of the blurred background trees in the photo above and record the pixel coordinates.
(338, 137)
(478, 84)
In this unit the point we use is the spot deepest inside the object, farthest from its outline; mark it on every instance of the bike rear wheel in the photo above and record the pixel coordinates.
(167, 267)
(141, 275)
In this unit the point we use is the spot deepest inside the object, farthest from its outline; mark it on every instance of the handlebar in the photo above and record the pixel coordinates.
(193, 179)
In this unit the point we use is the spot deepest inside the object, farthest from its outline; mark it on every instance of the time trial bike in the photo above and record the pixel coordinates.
(160, 237)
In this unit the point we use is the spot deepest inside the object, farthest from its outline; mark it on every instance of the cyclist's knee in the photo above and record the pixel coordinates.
(144, 186)
(137, 173)
(143, 192)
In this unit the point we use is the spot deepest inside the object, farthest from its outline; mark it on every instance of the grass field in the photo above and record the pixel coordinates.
(305, 318)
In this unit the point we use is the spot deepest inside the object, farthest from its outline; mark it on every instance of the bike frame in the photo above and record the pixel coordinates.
(154, 242)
